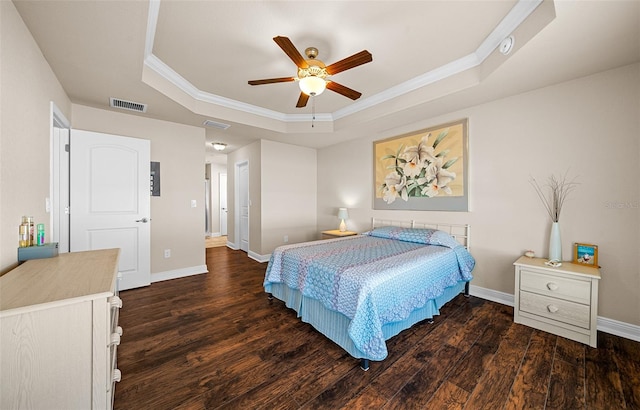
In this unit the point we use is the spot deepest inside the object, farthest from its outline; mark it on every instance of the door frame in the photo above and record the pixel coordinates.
(59, 186)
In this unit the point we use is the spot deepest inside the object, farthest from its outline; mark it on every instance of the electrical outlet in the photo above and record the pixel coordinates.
(167, 253)
(194, 203)
(286, 238)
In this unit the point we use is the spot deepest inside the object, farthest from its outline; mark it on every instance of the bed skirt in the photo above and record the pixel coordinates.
(334, 324)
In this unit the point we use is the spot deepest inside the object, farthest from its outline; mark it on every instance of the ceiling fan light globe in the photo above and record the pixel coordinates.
(312, 85)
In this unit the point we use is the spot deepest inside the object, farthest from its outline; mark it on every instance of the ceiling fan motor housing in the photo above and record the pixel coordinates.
(316, 68)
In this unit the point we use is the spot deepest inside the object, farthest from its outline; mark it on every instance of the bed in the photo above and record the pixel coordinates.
(360, 291)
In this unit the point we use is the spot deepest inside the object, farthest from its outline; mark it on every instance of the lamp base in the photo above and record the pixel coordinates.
(343, 226)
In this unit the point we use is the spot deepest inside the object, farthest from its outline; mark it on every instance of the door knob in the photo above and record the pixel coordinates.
(143, 220)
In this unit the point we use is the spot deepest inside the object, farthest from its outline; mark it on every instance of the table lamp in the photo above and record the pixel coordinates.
(342, 215)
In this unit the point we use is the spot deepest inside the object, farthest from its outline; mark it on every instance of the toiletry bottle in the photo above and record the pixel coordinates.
(40, 237)
(24, 235)
(28, 220)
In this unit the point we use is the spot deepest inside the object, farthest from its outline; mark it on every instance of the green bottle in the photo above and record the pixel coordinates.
(40, 236)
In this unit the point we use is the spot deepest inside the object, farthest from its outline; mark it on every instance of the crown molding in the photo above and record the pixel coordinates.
(516, 16)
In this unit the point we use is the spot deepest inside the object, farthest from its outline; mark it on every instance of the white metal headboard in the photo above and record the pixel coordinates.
(461, 232)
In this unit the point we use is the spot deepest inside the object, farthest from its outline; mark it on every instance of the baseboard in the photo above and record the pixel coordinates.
(214, 234)
(492, 295)
(232, 246)
(618, 328)
(258, 257)
(178, 273)
(614, 327)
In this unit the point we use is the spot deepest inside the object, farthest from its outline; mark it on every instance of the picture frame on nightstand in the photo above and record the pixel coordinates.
(585, 254)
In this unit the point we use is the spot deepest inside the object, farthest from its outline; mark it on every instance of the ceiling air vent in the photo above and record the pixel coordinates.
(214, 124)
(127, 105)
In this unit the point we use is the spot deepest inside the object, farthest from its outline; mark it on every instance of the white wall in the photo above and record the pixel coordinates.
(282, 191)
(180, 149)
(27, 87)
(289, 194)
(589, 127)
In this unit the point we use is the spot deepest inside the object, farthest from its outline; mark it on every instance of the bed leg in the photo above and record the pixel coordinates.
(269, 296)
(466, 290)
(364, 364)
(430, 321)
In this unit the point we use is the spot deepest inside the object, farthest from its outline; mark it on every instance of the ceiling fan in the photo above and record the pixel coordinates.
(313, 73)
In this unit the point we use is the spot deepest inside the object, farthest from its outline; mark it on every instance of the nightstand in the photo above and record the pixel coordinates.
(561, 300)
(336, 234)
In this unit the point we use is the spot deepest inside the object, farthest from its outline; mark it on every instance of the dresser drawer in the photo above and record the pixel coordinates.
(556, 286)
(571, 313)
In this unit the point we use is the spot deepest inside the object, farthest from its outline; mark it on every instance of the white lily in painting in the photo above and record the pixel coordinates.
(418, 171)
(395, 187)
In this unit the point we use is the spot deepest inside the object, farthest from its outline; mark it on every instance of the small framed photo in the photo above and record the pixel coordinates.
(585, 254)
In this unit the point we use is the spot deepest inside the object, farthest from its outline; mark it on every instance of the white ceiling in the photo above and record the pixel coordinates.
(191, 60)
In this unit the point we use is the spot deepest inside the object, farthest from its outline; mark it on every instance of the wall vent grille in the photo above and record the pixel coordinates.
(127, 105)
(214, 124)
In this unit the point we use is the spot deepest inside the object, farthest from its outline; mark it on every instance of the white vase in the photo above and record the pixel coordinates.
(555, 244)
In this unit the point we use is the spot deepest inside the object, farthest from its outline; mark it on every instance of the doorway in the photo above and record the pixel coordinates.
(242, 206)
(59, 185)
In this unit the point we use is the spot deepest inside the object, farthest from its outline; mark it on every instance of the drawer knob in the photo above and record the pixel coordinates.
(116, 302)
(552, 286)
(117, 375)
(115, 339)
(552, 308)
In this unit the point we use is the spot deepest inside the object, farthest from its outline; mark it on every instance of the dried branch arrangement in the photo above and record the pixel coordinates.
(560, 188)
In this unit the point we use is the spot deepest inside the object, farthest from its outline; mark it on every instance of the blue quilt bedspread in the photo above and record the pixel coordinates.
(373, 279)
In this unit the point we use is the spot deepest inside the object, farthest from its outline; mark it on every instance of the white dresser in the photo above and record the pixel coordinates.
(59, 332)
(562, 300)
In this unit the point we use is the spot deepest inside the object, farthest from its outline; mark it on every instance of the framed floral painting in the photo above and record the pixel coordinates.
(425, 170)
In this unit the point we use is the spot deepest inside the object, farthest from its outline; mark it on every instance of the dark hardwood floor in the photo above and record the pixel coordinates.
(214, 341)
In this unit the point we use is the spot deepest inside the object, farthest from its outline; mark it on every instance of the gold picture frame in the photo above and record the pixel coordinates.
(585, 254)
(425, 170)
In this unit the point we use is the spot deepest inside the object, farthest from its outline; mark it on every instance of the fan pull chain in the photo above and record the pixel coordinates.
(313, 110)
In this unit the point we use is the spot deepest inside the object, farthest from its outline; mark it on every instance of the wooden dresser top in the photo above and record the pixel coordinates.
(67, 276)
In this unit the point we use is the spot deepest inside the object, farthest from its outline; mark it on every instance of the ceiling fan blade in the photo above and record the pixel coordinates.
(355, 60)
(341, 89)
(271, 81)
(302, 101)
(287, 46)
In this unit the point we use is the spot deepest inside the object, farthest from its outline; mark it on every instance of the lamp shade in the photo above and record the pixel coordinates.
(312, 85)
(342, 215)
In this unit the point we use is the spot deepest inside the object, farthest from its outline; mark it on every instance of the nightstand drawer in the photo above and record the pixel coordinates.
(571, 313)
(556, 286)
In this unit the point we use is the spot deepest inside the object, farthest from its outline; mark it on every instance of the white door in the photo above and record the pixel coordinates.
(223, 204)
(243, 202)
(110, 200)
